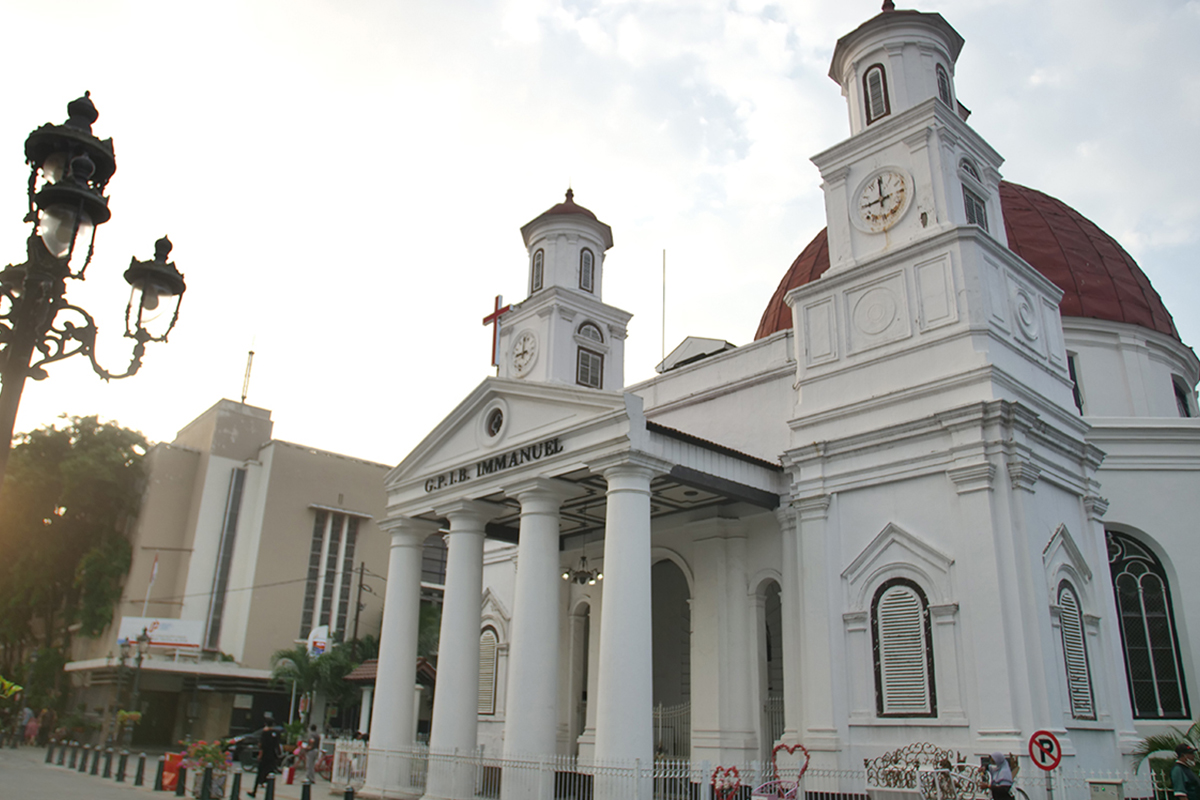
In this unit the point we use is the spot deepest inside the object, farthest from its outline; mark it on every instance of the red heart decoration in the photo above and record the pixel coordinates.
(726, 782)
(790, 749)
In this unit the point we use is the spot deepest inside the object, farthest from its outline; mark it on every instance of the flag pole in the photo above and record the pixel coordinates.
(150, 585)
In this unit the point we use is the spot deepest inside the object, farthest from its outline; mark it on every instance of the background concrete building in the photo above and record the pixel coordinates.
(243, 545)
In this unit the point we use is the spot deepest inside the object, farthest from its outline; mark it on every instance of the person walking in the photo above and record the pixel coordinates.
(312, 751)
(1184, 783)
(268, 754)
(1000, 777)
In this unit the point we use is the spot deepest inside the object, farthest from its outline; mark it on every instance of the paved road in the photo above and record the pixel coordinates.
(25, 776)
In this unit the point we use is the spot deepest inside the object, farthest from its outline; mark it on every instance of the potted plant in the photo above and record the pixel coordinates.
(198, 757)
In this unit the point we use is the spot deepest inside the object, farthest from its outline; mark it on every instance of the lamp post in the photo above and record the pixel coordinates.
(69, 170)
(124, 656)
(143, 647)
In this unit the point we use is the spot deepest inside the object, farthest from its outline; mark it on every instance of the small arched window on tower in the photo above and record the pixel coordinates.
(1075, 655)
(1183, 402)
(535, 284)
(587, 270)
(589, 364)
(875, 93)
(943, 82)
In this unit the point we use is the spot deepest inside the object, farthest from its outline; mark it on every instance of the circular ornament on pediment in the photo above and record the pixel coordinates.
(491, 423)
(881, 200)
(1027, 315)
(875, 311)
(524, 353)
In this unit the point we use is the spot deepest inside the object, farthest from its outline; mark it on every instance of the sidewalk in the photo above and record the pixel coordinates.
(25, 776)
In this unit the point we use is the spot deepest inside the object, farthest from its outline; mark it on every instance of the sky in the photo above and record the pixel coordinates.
(345, 180)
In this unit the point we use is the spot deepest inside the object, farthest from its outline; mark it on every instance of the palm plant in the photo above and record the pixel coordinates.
(295, 666)
(1164, 743)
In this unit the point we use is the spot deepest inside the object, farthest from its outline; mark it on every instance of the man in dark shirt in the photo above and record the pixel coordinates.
(1184, 783)
(268, 754)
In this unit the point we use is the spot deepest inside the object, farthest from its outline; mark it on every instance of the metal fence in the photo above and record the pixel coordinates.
(479, 776)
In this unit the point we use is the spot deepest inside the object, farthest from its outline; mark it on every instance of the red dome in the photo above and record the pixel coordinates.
(1098, 278)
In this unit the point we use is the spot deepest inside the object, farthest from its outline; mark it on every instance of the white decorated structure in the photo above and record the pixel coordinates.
(946, 495)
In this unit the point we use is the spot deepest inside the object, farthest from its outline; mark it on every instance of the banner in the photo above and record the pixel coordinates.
(163, 632)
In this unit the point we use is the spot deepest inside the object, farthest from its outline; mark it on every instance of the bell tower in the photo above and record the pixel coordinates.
(563, 332)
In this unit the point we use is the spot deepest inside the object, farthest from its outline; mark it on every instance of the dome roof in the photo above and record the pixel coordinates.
(565, 208)
(1098, 278)
(568, 206)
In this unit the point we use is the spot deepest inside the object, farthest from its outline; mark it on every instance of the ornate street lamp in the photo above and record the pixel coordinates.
(69, 170)
(143, 647)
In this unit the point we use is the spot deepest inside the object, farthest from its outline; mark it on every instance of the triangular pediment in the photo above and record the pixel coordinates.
(1060, 553)
(897, 553)
(502, 415)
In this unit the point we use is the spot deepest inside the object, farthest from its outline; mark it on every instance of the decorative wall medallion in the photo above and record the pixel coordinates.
(1027, 315)
(875, 311)
(494, 422)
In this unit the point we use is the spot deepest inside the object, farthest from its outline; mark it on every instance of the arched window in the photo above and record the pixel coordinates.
(590, 331)
(535, 283)
(487, 671)
(903, 649)
(943, 82)
(1153, 666)
(587, 271)
(875, 93)
(1074, 643)
(1182, 402)
(966, 166)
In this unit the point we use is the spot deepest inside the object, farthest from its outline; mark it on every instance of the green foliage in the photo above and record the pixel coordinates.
(69, 497)
(429, 629)
(1164, 743)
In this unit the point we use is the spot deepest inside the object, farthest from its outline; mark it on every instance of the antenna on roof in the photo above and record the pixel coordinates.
(246, 380)
(664, 312)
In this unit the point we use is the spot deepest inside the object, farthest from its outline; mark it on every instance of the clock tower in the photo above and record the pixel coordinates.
(563, 332)
(921, 278)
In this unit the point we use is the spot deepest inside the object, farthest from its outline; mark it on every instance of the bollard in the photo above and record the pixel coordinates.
(306, 791)
(206, 784)
(181, 781)
(74, 759)
(158, 775)
(108, 754)
(87, 751)
(270, 791)
(139, 777)
(121, 764)
(349, 795)
(62, 753)
(50, 752)
(96, 760)
(235, 787)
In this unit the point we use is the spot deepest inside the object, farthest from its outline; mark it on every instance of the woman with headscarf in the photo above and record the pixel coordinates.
(1000, 777)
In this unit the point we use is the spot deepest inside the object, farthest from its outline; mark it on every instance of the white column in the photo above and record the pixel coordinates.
(456, 695)
(625, 684)
(392, 714)
(531, 721)
(364, 713)
(790, 611)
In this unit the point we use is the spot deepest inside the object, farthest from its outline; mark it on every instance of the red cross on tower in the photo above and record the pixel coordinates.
(493, 319)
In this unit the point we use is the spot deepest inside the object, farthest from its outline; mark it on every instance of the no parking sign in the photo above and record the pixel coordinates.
(1045, 750)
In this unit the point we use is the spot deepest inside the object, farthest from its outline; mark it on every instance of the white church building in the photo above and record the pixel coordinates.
(948, 494)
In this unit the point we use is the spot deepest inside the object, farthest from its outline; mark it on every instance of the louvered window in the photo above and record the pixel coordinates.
(903, 651)
(539, 259)
(976, 209)
(589, 369)
(943, 82)
(876, 94)
(1153, 664)
(487, 672)
(587, 271)
(1079, 678)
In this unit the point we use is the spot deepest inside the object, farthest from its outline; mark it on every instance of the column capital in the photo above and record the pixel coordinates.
(462, 513)
(810, 508)
(631, 462)
(549, 489)
(407, 530)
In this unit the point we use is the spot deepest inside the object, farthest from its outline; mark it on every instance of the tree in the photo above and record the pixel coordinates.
(68, 502)
(298, 668)
(1164, 744)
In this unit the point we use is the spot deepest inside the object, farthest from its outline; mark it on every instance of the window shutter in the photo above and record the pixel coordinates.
(1079, 681)
(903, 663)
(877, 99)
(487, 672)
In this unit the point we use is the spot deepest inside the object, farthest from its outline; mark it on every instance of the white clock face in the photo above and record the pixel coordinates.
(524, 353)
(882, 200)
